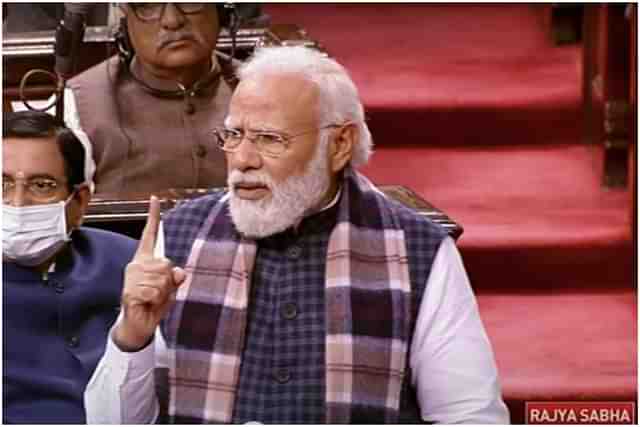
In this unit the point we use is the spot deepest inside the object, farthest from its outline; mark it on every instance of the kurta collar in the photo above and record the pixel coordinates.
(172, 87)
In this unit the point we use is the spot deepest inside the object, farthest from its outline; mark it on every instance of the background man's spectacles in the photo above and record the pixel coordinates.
(154, 11)
(40, 189)
(269, 143)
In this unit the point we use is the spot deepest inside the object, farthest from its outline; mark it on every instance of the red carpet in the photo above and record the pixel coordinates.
(536, 214)
(450, 74)
(563, 347)
(472, 107)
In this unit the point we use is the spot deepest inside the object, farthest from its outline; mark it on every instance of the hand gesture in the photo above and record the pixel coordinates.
(150, 284)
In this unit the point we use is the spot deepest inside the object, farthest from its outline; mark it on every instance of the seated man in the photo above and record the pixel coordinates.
(152, 106)
(61, 282)
(303, 295)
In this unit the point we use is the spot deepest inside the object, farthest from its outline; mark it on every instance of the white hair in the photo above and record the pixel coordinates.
(339, 101)
(292, 199)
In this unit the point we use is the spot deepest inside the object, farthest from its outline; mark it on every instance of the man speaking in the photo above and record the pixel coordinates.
(303, 294)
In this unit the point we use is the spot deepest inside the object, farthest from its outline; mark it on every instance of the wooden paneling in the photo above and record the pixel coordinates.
(607, 58)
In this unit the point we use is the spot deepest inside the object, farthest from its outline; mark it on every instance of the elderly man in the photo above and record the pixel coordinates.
(61, 282)
(153, 105)
(303, 295)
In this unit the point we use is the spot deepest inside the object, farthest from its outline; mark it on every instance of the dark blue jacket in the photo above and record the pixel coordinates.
(282, 374)
(55, 329)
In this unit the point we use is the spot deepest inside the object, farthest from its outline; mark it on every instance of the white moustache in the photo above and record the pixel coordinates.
(248, 178)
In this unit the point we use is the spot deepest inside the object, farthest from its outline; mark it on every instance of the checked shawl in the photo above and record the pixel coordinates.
(367, 303)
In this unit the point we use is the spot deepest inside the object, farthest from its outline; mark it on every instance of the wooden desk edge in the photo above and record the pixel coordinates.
(134, 207)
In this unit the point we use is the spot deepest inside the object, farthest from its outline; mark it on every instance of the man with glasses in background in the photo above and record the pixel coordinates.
(61, 282)
(301, 295)
(151, 106)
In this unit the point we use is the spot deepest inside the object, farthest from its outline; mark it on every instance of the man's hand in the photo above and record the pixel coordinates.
(149, 287)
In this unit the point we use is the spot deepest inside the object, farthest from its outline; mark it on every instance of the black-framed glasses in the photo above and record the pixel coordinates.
(39, 188)
(267, 142)
(154, 11)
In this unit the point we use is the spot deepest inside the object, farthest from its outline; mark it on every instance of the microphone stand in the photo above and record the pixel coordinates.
(68, 38)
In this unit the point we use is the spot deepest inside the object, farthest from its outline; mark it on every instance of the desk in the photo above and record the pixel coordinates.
(127, 213)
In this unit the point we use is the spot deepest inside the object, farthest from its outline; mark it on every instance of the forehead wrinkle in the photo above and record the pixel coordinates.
(278, 100)
(244, 124)
(23, 176)
(253, 116)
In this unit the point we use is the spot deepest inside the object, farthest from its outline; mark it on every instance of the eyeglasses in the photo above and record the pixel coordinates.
(268, 143)
(154, 11)
(39, 189)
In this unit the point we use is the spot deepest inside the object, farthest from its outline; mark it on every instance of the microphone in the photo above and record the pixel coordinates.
(69, 36)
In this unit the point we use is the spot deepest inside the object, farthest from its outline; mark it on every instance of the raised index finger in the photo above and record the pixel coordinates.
(150, 232)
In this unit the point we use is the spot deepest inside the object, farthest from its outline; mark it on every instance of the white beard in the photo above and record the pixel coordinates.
(289, 202)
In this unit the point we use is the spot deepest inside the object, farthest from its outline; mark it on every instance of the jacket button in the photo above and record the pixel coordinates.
(282, 375)
(59, 287)
(189, 108)
(294, 251)
(289, 310)
(73, 342)
(201, 150)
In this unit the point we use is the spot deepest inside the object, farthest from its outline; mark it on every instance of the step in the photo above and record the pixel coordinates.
(538, 215)
(565, 347)
(451, 75)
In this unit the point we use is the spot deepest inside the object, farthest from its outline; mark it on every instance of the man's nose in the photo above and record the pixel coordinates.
(17, 197)
(245, 157)
(172, 18)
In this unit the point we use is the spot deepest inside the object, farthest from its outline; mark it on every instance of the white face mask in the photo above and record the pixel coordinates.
(32, 234)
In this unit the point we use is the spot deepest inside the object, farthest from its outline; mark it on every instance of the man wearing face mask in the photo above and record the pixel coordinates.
(61, 282)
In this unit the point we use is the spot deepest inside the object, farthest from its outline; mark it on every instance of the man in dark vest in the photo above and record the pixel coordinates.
(61, 282)
(301, 295)
(153, 106)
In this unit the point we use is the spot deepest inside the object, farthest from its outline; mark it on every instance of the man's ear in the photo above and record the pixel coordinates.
(341, 146)
(78, 206)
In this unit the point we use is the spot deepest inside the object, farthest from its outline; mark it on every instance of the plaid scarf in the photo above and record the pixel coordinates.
(367, 303)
